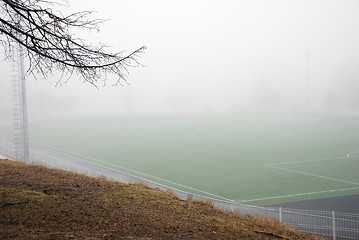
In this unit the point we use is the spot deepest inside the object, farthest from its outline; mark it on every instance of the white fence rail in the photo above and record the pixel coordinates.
(333, 225)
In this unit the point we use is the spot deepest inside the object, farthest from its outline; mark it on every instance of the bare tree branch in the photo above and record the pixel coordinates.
(50, 44)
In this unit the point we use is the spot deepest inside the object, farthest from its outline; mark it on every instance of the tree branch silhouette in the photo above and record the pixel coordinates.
(49, 42)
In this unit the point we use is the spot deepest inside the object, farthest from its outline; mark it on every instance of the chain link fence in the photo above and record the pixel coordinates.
(332, 225)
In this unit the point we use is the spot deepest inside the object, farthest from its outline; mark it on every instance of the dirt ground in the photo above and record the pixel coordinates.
(41, 203)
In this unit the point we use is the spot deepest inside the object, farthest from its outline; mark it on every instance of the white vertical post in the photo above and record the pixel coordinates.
(25, 136)
(280, 214)
(20, 123)
(333, 220)
(231, 206)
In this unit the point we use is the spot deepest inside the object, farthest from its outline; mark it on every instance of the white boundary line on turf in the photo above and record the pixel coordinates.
(138, 172)
(273, 165)
(351, 153)
(348, 155)
(298, 194)
(304, 161)
(313, 175)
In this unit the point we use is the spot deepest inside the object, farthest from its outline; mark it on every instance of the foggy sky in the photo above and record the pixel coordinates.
(214, 56)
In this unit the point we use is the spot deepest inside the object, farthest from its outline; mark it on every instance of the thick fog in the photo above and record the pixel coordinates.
(279, 56)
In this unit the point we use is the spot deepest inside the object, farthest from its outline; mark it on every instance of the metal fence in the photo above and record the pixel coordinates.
(332, 225)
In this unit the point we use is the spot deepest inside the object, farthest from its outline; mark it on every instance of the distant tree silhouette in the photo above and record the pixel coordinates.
(48, 41)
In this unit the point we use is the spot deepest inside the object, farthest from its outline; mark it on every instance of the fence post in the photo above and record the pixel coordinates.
(280, 214)
(231, 206)
(333, 220)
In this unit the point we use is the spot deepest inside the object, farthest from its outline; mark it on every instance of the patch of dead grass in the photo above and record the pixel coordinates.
(41, 203)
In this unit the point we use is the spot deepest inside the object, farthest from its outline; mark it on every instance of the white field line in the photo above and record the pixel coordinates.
(313, 175)
(134, 171)
(304, 161)
(298, 194)
(273, 165)
(348, 155)
(351, 153)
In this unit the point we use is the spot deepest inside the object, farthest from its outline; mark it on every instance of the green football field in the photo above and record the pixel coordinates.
(253, 160)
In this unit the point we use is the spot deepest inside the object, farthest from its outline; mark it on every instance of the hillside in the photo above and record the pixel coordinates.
(41, 203)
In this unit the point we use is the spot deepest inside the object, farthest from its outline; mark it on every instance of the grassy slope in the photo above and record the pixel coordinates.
(41, 203)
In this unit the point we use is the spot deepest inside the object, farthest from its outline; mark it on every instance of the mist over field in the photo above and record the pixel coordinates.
(246, 101)
(258, 56)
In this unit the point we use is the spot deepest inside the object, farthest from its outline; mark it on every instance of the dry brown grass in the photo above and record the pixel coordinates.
(41, 203)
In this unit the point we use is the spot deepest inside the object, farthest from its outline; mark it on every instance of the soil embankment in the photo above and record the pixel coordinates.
(41, 203)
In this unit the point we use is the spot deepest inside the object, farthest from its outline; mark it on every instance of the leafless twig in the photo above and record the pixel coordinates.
(50, 45)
